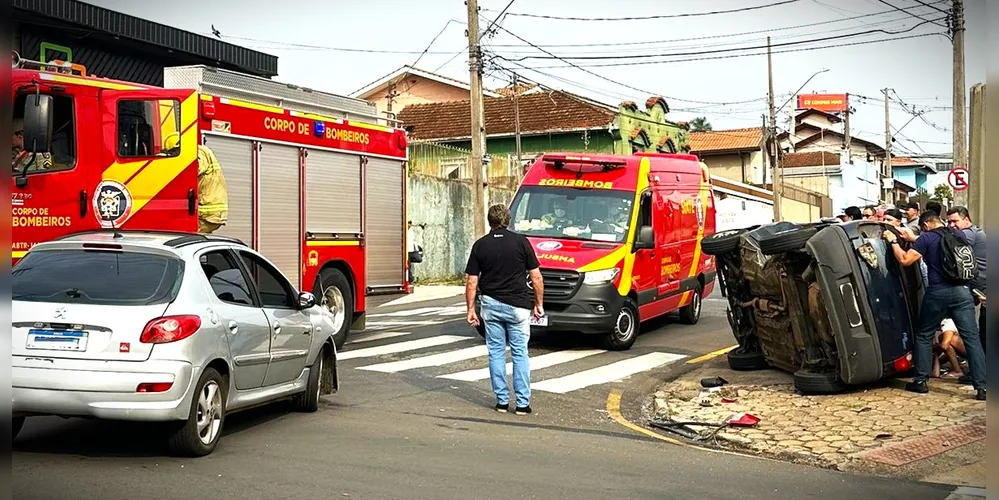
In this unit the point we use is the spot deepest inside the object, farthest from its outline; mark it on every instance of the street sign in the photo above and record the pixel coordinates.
(958, 178)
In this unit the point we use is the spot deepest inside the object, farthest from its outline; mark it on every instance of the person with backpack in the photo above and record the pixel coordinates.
(959, 218)
(951, 266)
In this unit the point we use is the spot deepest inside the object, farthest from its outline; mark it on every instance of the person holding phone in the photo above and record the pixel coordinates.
(959, 218)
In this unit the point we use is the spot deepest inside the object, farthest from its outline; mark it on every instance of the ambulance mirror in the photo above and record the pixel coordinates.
(646, 238)
(38, 113)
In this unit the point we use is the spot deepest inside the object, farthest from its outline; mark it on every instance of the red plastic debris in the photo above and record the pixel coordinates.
(743, 420)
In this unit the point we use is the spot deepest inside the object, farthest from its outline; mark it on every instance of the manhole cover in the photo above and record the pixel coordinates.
(912, 450)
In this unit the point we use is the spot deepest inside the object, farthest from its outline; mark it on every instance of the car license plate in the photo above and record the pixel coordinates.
(542, 321)
(57, 340)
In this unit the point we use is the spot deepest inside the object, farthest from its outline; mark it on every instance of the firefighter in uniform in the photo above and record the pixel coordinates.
(213, 202)
(21, 158)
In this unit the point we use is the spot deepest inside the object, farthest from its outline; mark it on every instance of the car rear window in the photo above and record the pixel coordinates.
(97, 277)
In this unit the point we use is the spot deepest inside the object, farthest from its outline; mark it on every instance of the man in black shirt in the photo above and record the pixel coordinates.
(503, 268)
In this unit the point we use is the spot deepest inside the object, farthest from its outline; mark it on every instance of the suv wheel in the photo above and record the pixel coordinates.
(812, 382)
(334, 293)
(745, 360)
(622, 337)
(723, 242)
(199, 435)
(787, 241)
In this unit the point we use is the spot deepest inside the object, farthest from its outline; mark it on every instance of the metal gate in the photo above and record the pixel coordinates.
(332, 193)
(279, 229)
(385, 228)
(236, 158)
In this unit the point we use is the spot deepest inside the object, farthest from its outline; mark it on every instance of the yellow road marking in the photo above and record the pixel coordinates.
(711, 355)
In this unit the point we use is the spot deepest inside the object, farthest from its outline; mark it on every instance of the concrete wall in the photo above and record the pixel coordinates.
(441, 211)
(415, 89)
(730, 166)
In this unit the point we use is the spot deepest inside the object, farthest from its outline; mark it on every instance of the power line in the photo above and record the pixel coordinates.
(604, 77)
(733, 56)
(646, 18)
(484, 33)
(911, 14)
(717, 51)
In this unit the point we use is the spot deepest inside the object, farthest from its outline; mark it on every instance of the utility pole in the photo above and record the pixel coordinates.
(960, 121)
(774, 147)
(516, 121)
(846, 127)
(476, 162)
(886, 171)
(764, 150)
(389, 97)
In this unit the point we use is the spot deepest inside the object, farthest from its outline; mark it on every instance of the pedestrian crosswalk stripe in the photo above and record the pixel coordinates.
(409, 345)
(607, 373)
(538, 363)
(377, 336)
(423, 312)
(391, 324)
(431, 360)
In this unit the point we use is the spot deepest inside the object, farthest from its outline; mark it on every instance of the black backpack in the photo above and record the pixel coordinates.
(958, 258)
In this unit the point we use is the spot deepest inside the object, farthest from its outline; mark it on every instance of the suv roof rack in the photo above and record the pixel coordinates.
(182, 238)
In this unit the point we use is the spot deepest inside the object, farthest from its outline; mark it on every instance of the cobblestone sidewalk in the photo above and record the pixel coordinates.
(829, 430)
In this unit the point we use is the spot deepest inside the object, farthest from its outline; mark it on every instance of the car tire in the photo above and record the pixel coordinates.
(812, 382)
(308, 401)
(209, 401)
(333, 288)
(787, 241)
(746, 361)
(622, 337)
(723, 242)
(16, 423)
(691, 313)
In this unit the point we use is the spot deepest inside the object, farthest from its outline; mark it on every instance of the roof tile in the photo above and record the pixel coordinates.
(810, 159)
(540, 112)
(726, 140)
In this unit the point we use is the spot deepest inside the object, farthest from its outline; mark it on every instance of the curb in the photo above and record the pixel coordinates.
(966, 493)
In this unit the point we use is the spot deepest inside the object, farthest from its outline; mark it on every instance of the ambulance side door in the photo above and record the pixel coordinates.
(50, 195)
(151, 152)
(645, 274)
(669, 262)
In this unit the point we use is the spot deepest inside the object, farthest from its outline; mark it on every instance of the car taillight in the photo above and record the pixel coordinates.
(903, 364)
(170, 329)
(154, 387)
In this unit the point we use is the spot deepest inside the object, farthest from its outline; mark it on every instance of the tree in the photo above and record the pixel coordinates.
(943, 192)
(700, 124)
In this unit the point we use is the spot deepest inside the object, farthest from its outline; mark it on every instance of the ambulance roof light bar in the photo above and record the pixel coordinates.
(567, 162)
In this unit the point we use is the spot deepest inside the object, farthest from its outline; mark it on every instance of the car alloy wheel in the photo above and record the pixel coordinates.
(209, 412)
(334, 303)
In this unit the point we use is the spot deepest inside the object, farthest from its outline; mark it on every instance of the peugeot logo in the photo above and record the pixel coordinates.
(60, 313)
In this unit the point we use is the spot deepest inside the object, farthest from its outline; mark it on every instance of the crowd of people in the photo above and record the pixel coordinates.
(950, 342)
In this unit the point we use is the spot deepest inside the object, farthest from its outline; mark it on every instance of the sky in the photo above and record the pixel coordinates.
(339, 47)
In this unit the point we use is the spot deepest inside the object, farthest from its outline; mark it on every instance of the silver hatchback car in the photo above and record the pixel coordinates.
(163, 327)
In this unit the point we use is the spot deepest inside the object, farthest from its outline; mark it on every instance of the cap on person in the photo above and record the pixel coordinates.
(893, 216)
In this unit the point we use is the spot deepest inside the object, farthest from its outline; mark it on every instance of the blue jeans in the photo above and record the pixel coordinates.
(958, 304)
(505, 323)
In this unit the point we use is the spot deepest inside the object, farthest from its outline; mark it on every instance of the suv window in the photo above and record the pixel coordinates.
(226, 278)
(148, 128)
(96, 277)
(271, 285)
(62, 150)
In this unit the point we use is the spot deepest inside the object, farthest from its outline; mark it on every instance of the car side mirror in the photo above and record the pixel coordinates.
(38, 117)
(306, 300)
(646, 238)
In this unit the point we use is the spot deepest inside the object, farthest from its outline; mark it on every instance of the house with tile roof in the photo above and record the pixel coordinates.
(912, 172)
(410, 85)
(735, 154)
(846, 181)
(549, 121)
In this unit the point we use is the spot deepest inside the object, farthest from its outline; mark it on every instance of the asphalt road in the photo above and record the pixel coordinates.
(425, 429)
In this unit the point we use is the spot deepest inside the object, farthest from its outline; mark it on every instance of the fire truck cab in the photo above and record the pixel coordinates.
(313, 180)
(618, 239)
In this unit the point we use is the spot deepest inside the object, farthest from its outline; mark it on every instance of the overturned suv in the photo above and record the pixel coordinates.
(827, 302)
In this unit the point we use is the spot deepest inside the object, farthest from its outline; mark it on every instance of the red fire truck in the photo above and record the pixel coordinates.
(313, 180)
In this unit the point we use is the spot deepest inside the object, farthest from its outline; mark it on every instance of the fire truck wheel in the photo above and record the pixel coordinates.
(334, 293)
(622, 337)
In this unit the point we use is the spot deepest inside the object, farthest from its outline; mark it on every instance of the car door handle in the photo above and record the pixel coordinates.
(277, 327)
(233, 327)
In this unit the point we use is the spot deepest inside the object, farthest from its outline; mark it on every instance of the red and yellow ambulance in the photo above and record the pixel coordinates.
(313, 180)
(618, 239)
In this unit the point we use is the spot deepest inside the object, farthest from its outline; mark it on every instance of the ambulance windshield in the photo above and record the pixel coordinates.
(561, 212)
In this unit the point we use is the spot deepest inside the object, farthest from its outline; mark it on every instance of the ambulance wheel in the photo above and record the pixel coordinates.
(691, 313)
(622, 337)
(334, 293)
